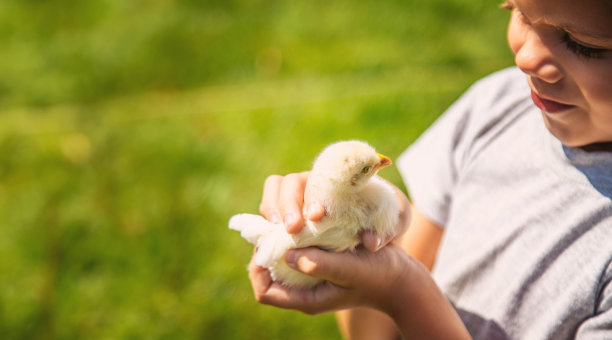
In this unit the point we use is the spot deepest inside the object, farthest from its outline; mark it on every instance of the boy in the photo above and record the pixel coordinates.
(512, 201)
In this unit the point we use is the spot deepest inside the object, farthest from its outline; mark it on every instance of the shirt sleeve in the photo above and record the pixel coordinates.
(430, 166)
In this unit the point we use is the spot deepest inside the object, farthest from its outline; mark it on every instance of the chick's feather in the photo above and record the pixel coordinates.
(343, 180)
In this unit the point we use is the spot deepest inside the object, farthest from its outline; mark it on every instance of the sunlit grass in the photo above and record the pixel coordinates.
(131, 131)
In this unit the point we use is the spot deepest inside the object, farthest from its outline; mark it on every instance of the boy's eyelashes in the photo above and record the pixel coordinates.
(581, 50)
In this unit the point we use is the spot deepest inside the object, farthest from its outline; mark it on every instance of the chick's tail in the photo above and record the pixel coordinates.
(251, 227)
(271, 240)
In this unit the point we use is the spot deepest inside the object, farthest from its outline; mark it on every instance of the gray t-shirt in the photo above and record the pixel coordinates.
(527, 248)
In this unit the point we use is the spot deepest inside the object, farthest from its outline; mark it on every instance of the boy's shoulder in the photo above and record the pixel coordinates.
(504, 77)
(492, 105)
(507, 85)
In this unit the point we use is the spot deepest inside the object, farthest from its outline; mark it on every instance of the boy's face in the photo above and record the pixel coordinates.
(565, 48)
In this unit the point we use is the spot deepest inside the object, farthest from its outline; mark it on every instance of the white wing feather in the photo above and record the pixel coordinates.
(271, 240)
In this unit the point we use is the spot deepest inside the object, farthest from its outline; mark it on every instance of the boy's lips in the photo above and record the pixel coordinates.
(547, 105)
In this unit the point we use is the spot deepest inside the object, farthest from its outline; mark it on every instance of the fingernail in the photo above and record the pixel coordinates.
(313, 208)
(289, 220)
(378, 242)
(291, 258)
(275, 218)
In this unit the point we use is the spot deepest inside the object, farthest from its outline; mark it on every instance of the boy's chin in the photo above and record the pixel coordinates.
(572, 135)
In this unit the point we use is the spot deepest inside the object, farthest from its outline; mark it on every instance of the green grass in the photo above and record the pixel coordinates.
(130, 131)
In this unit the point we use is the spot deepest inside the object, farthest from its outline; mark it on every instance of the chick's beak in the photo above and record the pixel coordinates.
(384, 162)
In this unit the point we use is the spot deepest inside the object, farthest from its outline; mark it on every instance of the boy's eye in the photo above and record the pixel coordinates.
(581, 50)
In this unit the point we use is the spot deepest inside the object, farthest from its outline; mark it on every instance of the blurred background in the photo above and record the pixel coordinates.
(130, 131)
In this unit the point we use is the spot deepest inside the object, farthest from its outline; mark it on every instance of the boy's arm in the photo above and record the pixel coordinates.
(421, 241)
(422, 238)
(387, 279)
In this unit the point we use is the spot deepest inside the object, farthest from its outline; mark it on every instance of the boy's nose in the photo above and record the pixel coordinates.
(536, 59)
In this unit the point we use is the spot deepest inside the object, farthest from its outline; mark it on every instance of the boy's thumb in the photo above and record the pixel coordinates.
(335, 267)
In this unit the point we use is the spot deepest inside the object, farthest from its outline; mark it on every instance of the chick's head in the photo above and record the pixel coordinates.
(348, 165)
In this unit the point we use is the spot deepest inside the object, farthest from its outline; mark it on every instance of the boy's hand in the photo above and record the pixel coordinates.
(283, 201)
(388, 280)
(360, 278)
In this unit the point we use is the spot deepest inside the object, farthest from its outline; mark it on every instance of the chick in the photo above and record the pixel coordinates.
(342, 179)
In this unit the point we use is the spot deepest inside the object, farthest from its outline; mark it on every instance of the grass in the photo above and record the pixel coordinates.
(130, 131)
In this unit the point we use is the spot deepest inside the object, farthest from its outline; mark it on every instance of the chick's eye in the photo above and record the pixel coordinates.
(366, 169)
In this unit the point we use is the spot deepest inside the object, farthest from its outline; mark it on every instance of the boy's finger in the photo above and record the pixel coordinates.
(260, 279)
(291, 200)
(268, 207)
(338, 268)
(268, 292)
(371, 241)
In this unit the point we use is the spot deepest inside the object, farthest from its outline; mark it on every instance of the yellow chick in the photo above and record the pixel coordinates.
(343, 180)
